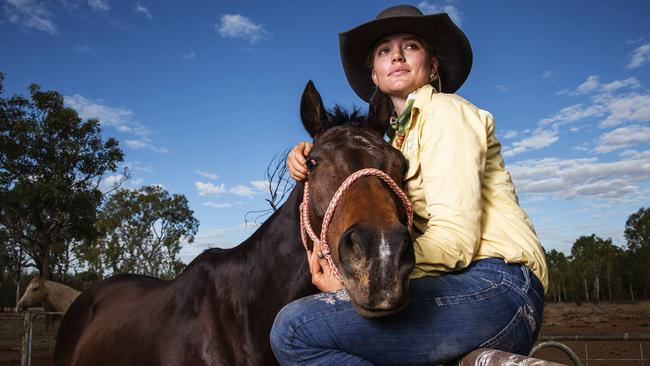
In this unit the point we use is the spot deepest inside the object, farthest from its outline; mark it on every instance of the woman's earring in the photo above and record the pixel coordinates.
(433, 77)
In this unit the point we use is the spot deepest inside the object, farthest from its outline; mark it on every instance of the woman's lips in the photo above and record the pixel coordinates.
(398, 72)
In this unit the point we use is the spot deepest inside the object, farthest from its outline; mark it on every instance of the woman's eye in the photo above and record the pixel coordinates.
(411, 46)
(311, 164)
(382, 51)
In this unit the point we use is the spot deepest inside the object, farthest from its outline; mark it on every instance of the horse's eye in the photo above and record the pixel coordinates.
(35, 289)
(311, 164)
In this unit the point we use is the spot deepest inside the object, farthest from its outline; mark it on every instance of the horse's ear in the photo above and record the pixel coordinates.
(379, 112)
(312, 111)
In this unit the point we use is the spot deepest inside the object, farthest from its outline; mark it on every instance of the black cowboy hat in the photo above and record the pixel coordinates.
(449, 43)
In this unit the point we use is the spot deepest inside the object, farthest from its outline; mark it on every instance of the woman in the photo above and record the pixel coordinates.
(480, 274)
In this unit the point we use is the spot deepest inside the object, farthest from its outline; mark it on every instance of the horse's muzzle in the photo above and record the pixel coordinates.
(376, 264)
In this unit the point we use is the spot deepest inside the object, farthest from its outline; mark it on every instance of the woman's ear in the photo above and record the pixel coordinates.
(434, 65)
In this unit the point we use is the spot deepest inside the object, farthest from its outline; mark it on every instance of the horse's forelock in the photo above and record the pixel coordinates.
(338, 116)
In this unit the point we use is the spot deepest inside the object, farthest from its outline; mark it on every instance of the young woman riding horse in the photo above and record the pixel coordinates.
(480, 273)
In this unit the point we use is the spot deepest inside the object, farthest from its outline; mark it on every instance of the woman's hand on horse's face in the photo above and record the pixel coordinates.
(296, 161)
(321, 274)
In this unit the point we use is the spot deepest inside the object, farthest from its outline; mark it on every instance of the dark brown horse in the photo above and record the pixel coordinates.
(219, 311)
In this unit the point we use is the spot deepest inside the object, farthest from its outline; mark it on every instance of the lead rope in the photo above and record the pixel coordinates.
(305, 225)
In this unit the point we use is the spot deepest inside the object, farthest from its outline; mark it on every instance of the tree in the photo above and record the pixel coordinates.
(637, 234)
(594, 257)
(141, 232)
(51, 165)
(13, 260)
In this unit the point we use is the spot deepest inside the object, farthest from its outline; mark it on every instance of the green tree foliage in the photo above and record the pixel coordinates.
(598, 270)
(141, 232)
(637, 234)
(51, 164)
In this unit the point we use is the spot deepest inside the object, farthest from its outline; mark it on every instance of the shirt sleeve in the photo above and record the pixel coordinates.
(452, 159)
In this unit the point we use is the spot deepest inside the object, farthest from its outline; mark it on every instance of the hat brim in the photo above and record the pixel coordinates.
(449, 43)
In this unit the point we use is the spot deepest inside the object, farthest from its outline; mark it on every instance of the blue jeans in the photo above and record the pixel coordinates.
(488, 304)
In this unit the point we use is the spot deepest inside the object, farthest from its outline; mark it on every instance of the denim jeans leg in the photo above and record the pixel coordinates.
(490, 303)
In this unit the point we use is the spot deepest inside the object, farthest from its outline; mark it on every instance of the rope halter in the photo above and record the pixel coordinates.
(305, 225)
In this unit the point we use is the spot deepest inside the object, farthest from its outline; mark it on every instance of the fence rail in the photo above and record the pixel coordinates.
(26, 349)
(554, 341)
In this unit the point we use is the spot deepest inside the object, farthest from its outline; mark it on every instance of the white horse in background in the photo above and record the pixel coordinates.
(58, 295)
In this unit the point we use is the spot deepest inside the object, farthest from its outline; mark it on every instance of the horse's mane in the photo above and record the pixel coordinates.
(338, 116)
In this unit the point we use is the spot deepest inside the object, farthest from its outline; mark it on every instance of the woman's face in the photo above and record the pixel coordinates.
(401, 64)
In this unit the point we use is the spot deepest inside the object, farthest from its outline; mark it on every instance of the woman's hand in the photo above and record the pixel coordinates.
(321, 274)
(296, 161)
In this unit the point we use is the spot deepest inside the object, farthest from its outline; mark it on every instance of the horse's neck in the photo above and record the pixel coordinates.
(271, 261)
(59, 296)
(280, 245)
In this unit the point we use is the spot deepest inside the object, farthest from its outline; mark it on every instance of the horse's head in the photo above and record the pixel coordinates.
(367, 235)
(34, 294)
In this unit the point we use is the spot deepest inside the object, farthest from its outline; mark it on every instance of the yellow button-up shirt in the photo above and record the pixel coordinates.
(464, 202)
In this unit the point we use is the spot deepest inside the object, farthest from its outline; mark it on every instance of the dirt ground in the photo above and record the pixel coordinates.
(568, 319)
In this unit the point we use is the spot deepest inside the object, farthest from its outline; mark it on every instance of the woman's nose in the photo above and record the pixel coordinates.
(398, 56)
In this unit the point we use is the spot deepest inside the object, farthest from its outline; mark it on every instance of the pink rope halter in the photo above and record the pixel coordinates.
(305, 225)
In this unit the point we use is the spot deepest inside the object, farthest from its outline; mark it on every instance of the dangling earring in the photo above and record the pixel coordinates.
(433, 77)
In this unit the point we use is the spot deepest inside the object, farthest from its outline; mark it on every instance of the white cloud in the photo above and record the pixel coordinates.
(538, 140)
(261, 185)
(623, 137)
(573, 113)
(31, 14)
(189, 56)
(444, 7)
(589, 85)
(614, 181)
(634, 41)
(550, 74)
(626, 108)
(136, 166)
(208, 188)
(593, 84)
(634, 154)
(237, 26)
(109, 182)
(100, 5)
(217, 205)
(139, 8)
(639, 57)
(502, 88)
(142, 144)
(123, 120)
(243, 191)
(509, 134)
(208, 175)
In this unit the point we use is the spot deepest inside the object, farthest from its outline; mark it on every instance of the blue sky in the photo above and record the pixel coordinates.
(202, 94)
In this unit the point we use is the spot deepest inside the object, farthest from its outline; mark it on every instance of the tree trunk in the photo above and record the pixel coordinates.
(609, 284)
(584, 280)
(17, 280)
(631, 293)
(597, 290)
(45, 260)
